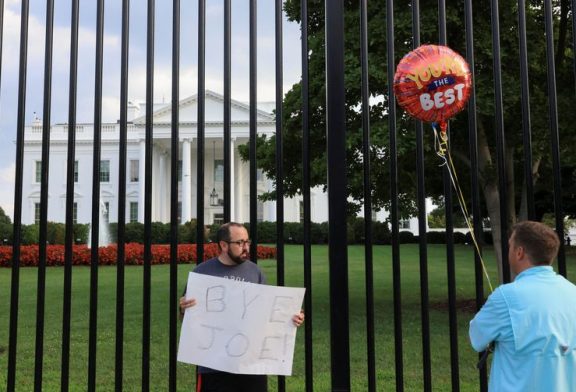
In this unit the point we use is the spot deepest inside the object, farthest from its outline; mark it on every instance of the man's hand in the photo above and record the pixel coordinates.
(298, 319)
(185, 304)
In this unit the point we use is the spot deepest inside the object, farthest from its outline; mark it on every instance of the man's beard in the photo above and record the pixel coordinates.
(236, 259)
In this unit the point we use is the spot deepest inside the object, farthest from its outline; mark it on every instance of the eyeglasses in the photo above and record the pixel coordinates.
(241, 243)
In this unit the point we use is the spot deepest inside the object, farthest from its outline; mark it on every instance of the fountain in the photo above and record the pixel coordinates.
(103, 230)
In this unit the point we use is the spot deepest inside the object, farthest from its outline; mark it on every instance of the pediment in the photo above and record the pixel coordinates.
(214, 111)
(76, 195)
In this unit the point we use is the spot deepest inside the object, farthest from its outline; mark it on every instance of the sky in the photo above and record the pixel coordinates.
(10, 56)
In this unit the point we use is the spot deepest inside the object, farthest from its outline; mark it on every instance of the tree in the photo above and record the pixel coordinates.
(5, 227)
(437, 219)
(4, 219)
(485, 108)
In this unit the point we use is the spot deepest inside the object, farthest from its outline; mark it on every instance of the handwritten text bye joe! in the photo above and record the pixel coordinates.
(238, 344)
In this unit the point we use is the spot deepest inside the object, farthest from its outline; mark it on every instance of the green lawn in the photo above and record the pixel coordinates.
(441, 373)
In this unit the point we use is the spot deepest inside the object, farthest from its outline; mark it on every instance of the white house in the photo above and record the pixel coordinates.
(161, 172)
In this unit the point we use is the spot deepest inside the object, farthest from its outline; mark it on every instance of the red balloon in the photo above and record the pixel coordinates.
(432, 83)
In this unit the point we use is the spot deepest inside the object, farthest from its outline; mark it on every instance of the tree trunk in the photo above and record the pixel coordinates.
(523, 213)
(491, 194)
(510, 187)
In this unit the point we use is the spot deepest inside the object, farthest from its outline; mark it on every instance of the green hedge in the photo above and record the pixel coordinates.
(293, 233)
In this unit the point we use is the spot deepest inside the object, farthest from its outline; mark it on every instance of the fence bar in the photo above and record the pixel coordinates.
(450, 261)
(41, 283)
(146, 284)
(422, 241)
(500, 142)
(253, 131)
(200, 126)
(95, 223)
(574, 38)
(279, 160)
(17, 228)
(70, 169)
(1, 34)
(227, 109)
(337, 241)
(174, 140)
(370, 339)
(474, 177)
(554, 139)
(394, 198)
(451, 272)
(526, 122)
(308, 349)
(121, 228)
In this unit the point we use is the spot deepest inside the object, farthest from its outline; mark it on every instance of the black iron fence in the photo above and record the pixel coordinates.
(347, 116)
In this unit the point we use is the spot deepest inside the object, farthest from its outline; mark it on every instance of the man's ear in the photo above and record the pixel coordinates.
(520, 253)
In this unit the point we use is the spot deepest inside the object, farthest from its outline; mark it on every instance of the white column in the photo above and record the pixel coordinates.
(233, 180)
(271, 217)
(155, 194)
(186, 178)
(141, 180)
(163, 188)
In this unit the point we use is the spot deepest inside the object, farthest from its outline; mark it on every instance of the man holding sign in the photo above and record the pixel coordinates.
(233, 302)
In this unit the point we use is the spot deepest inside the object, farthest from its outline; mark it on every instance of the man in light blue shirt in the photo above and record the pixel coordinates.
(531, 321)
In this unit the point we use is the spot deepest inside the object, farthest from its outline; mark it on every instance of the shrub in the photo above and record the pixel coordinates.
(213, 230)
(160, 232)
(55, 233)
(406, 237)
(6, 233)
(134, 254)
(293, 233)
(187, 232)
(266, 232)
(30, 234)
(459, 238)
(134, 232)
(380, 233)
(436, 237)
(319, 233)
(355, 230)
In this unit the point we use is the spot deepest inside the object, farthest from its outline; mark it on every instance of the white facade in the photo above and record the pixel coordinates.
(161, 168)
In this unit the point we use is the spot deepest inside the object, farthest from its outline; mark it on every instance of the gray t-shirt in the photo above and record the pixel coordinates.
(245, 272)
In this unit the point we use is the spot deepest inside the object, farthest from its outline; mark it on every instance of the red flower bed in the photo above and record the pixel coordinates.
(133, 252)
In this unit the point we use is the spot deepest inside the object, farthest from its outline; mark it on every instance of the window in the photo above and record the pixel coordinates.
(180, 170)
(105, 171)
(218, 170)
(75, 171)
(259, 175)
(36, 213)
(179, 212)
(75, 213)
(218, 218)
(134, 170)
(133, 211)
(301, 211)
(106, 211)
(38, 172)
(404, 224)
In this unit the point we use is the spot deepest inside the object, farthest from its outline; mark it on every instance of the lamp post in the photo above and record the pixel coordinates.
(213, 197)
(214, 194)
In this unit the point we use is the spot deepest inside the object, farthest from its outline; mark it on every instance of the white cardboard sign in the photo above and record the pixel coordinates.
(239, 327)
